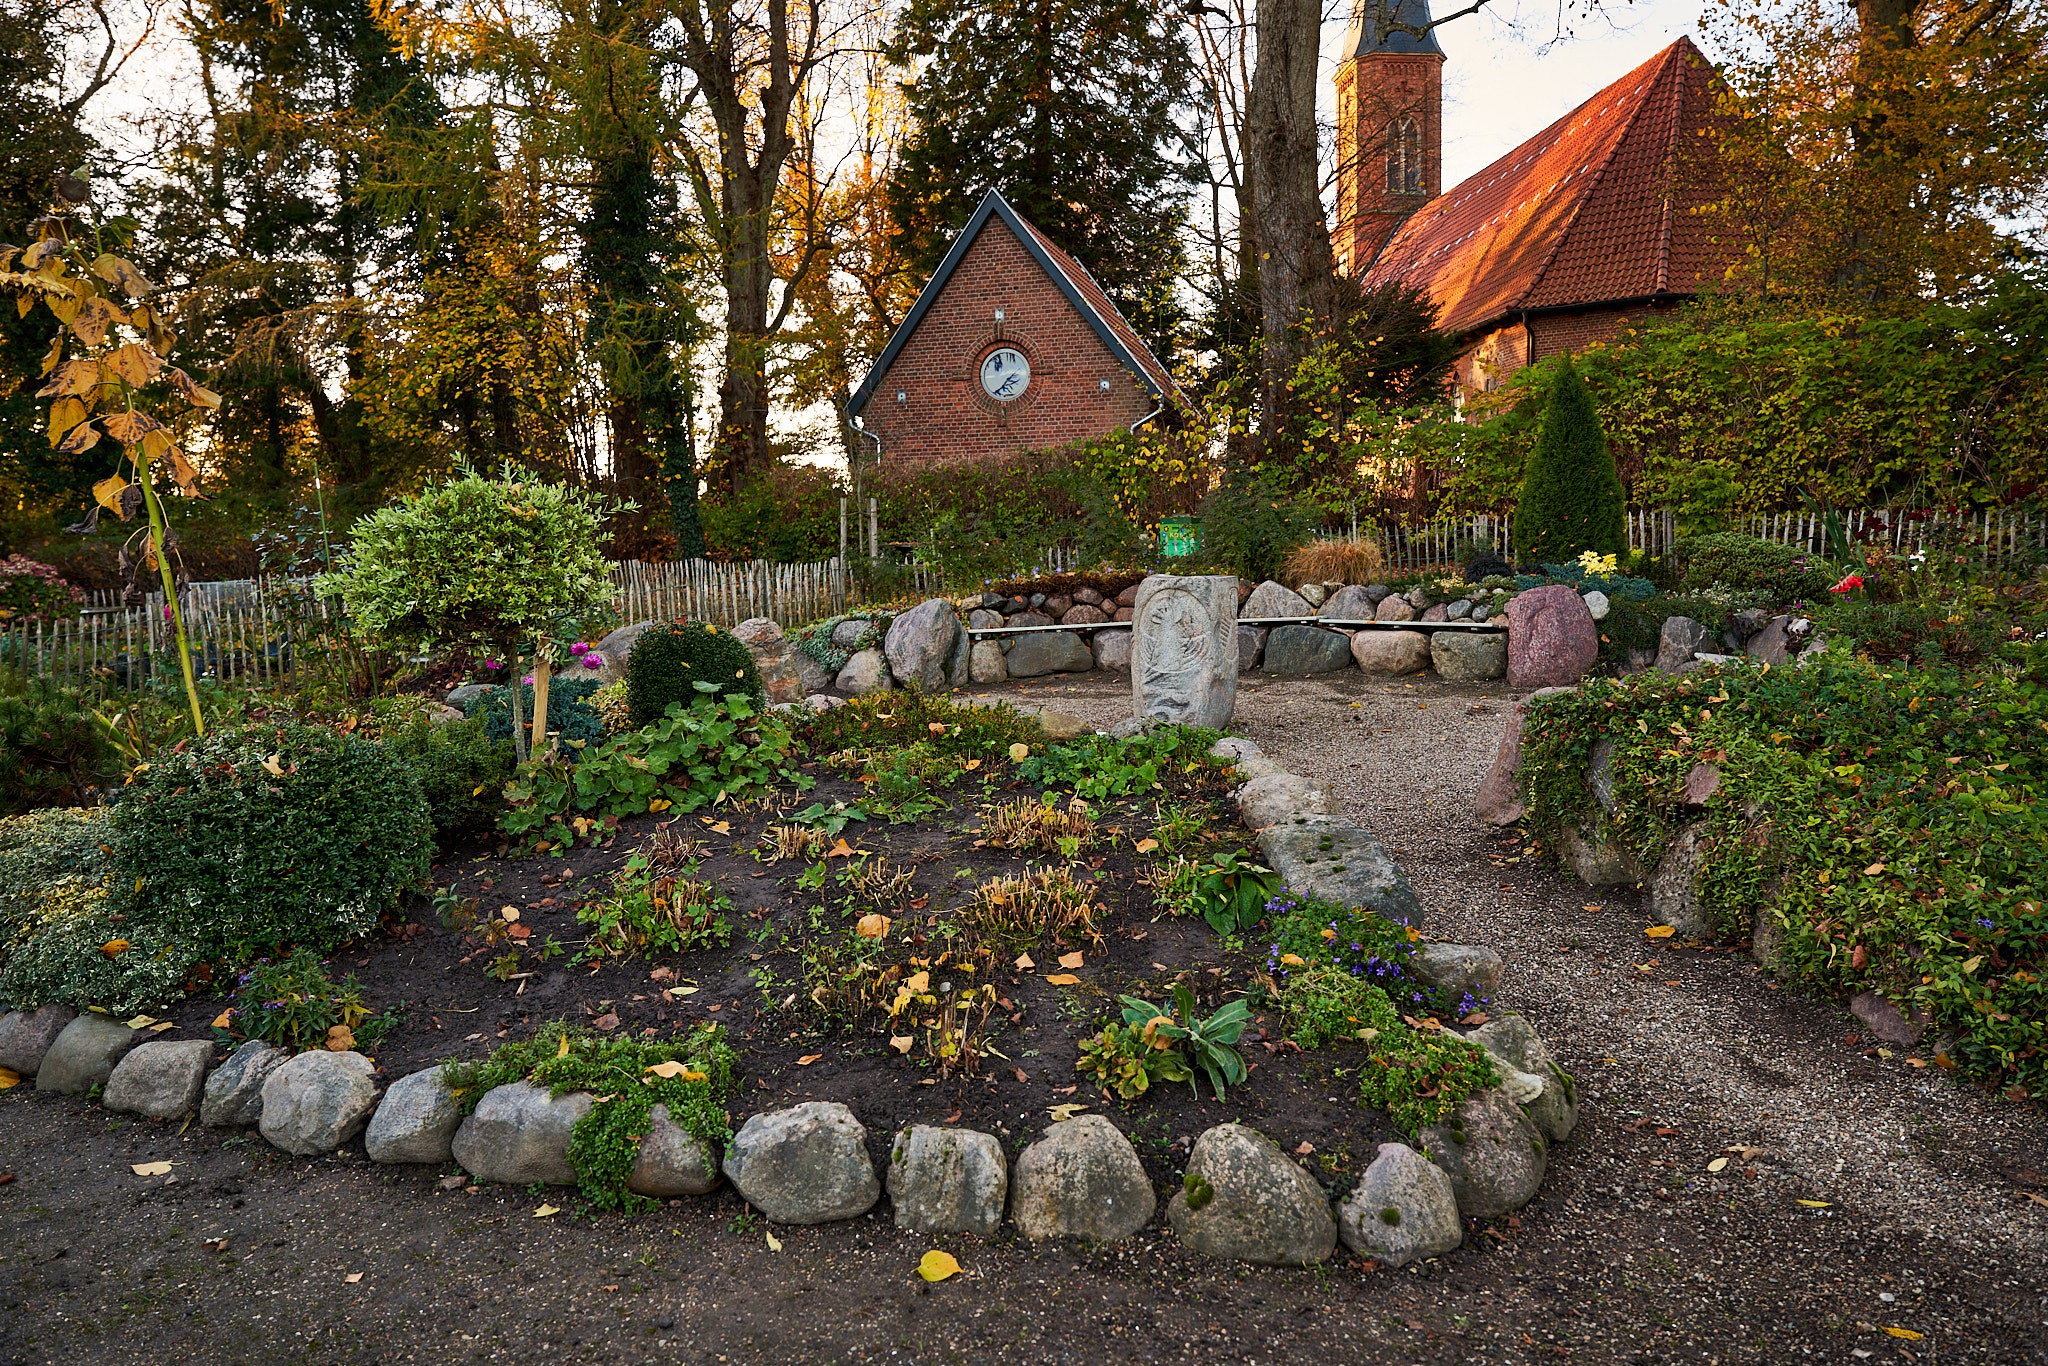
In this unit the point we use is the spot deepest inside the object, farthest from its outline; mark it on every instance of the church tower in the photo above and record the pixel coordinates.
(1390, 104)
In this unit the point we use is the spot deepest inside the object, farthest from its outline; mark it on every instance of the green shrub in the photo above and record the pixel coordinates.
(790, 515)
(570, 712)
(1324, 1004)
(41, 848)
(271, 835)
(1420, 1077)
(1571, 498)
(667, 663)
(717, 749)
(1249, 528)
(1096, 767)
(293, 1002)
(1730, 559)
(691, 1076)
(1125, 1060)
(80, 951)
(462, 772)
(1886, 821)
(32, 591)
(53, 749)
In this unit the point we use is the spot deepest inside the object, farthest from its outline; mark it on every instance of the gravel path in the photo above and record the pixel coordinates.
(1633, 1252)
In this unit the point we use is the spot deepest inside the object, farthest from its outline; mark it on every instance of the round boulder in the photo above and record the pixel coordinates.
(519, 1134)
(671, 1161)
(804, 1165)
(1303, 651)
(1081, 1180)
(83, 1055)
(1513, 1040)
(1245, 1200)
(985, 662)
(866, 672)
(317, 1101)
(1394, 607)
(1403, 1208)
(1390, 652)
(947, 1180)
(416, 1121)
(160, 1080)
(1112, 649)
(26, 1035)
(921, 643)
(1048, 652)
(234, 1093)
(1552, 640)
(1491, 1152)
(1468, 656)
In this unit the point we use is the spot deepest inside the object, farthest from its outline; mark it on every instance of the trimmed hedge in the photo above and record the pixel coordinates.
(667, 662)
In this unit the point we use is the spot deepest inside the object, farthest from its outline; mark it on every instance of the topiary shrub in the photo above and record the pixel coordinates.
(1733, 560)
(570, 713)
(667, 661)
(271, 836)
(53, 749)
(1571, 494)
(461, 769)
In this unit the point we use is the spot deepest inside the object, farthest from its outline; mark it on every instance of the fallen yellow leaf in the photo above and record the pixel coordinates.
(142, 1022)
(937, 1266)
(901, 1042)
(841, 849)
(719, 827)
(774, 1243)
(1718, 1164)
(340, 1039)
(1873, 870)
(9, 1077)
(1070, 960)
(873, 925)
(547, 1211)
(114, 948)
(1066, 1111)
(807, 1059)
(563, 1050)
(1024, 963)
(1661, 931)
(672, 1070)
(1019, 752)
(1146, 846)
(224, 1019)
(1908, 1334)
(660, 804)
(1293, 960)
(353, 1277)
(1061, 979)
(1814, 1204)
(151, 1168)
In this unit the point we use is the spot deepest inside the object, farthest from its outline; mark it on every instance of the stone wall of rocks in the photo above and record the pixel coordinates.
(1242, 1197)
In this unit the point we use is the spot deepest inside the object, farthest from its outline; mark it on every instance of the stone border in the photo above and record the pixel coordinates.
(1242, 1198)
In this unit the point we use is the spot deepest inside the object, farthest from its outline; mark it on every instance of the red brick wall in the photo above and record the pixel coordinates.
(1372, 93)
(1488, 360)
(944, 416)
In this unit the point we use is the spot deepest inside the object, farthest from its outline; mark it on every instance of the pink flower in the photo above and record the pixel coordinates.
(593, 660)
(527, 679)
(581, 647)
(491, 664)
(1849, 584)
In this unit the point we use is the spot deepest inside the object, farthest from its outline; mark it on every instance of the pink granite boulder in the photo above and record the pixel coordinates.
(1552, 640)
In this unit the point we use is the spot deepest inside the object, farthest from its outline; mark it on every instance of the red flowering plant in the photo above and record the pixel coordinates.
(33, 591)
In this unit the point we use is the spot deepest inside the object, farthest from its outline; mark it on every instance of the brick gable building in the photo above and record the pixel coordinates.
(1587, 226)
(1010, 347)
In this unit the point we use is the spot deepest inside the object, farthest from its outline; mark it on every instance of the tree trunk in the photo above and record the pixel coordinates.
(1296, 271)
(743, 387)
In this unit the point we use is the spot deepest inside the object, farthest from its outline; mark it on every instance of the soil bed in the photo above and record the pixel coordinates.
(1633, 1251)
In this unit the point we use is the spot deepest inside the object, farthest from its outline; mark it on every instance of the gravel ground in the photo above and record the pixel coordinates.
(1919, 1218)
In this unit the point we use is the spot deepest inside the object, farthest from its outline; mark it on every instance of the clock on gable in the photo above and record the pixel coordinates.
(1005, 374)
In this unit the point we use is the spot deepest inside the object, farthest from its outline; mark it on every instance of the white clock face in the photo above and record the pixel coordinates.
(1005, 373)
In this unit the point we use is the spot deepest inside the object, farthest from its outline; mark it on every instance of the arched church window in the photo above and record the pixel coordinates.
(1404, 157)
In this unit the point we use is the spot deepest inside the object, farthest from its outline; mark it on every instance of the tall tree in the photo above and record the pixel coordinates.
(1296, 270)
(1065, 106)
(752, 66)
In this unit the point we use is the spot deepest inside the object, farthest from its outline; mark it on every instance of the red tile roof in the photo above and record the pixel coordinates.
(1584, 212)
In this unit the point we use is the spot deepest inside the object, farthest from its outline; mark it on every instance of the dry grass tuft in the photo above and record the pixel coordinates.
(1334, 559)
(1043, 901)
(1029, 826)
(794, 841)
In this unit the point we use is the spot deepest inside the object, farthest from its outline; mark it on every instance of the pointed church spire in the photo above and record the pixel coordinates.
(1390, 26)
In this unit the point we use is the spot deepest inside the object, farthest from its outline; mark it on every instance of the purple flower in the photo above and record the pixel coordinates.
(593, 660)
(580, 648)
(527, 679)
(1986, 923)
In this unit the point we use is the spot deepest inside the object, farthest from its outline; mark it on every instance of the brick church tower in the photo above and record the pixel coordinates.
(1390, 132)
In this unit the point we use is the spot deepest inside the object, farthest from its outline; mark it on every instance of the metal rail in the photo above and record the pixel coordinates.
(1475, 627)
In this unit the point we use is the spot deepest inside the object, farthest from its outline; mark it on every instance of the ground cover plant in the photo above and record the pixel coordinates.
(1877, 825)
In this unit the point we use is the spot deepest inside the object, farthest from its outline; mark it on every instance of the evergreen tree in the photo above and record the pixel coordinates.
(1571, 494)
(1066, 107)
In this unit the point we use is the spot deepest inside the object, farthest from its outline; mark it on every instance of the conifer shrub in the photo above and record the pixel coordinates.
(1571, 497)
(667, 662)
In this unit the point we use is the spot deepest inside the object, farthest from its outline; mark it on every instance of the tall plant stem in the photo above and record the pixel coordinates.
(163, 566)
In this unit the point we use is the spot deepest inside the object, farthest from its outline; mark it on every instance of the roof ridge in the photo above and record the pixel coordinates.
(1662, 61)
